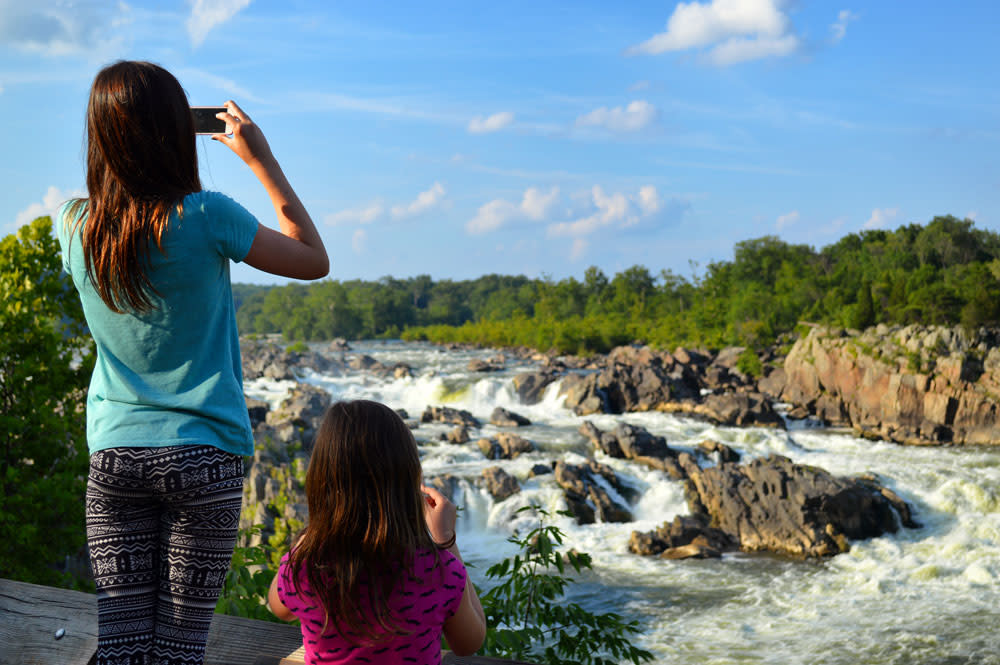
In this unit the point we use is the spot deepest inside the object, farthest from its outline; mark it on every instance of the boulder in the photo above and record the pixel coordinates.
(505, 445)
(339, 345)
(775, 505)
(531, 385)
(586, 497)
(742, 409)
(540, 470)
(583, 394)
(636, 442)
(446, 414)
(723, 453)
(685, 537)
(298, 416)
(501, 417)
(363, 362)
(499, 483)
(257, 410)
(494, 364)
(458, 435)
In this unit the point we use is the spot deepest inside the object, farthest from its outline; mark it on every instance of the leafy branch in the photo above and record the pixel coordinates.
(528, 619)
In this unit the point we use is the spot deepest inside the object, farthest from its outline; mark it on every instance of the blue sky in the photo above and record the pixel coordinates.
(540, 138)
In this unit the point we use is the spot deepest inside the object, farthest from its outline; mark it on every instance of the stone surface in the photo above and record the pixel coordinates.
(505, 445)
(501, 417)
(446, 414)
(458, 435)
(913, 384)
(586, 496)
(530, 386)
(775, 505)
(500, 484)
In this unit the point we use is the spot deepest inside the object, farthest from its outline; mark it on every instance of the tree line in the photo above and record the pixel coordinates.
(945, 272)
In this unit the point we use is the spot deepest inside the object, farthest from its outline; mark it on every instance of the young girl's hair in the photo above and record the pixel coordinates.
(366, 517)
(141, 163)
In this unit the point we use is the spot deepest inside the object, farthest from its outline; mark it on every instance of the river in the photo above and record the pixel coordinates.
(928, 595)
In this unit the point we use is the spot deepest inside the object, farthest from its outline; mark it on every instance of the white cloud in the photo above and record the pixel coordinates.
(359, 240)
(839, 28)
(786, 220)
(425, 201)
(637, 115)
(207, 14)
(649, 199)
(639, 85)
(881, 217)
(55, 28)
(972, 214)
(535, 206)
(742, 49)
(494, 123)
(617, 209)
(377, 211)
(365, 215)
(732, 31)
(53, 198)
(578, 249)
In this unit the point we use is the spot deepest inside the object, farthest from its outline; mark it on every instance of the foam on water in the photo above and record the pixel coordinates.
(922, 596)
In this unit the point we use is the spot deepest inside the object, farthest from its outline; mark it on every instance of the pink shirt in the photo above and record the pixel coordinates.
(421, 606)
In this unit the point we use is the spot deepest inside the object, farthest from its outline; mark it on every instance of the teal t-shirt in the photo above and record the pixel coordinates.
(171, 376)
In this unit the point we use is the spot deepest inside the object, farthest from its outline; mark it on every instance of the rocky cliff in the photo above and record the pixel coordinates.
(913, 385)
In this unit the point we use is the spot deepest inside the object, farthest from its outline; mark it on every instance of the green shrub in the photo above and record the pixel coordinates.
(528, 619)
(245, 590)
(297, 347)
(749, 363)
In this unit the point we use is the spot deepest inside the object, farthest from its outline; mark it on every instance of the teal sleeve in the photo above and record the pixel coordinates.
(63, 228)
(233, 226)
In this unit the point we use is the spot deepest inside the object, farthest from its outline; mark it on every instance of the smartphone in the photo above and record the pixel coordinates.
(205, 121)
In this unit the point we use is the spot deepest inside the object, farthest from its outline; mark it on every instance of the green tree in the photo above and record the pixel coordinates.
(45, 362)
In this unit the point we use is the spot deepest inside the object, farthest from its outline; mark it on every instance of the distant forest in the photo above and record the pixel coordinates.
(947, 272)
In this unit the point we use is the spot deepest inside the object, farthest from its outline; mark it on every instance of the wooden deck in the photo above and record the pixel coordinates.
(31, 617)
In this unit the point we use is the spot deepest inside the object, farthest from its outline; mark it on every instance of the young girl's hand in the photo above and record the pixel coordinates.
(243, 136)
(440, 514)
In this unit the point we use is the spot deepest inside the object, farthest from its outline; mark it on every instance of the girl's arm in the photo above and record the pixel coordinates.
(274, 603)
(466, 629)
(297, 250)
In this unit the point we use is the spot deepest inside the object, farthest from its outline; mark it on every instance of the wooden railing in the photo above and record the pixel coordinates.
(42, 625)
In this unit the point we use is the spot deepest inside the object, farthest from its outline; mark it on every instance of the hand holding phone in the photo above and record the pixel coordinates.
(205, 121)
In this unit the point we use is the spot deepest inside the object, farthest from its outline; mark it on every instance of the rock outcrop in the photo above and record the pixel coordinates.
(501, 417)
(913, 385)
(271, 361)
(446, 414)
(774, 505)
(586, 496)
(639, 379)
(505, 445)
(500, 484)
(530, 386)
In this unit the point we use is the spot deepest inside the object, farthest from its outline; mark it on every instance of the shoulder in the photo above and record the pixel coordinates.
(449, 565)
(209, 201)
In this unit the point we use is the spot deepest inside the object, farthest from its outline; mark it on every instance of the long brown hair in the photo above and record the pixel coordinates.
(141, 163)
(366, 518)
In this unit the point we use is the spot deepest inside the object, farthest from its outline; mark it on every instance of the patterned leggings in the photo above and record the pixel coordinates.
(161, 527)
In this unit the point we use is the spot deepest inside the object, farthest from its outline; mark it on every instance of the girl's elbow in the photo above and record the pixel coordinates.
(469, 642)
